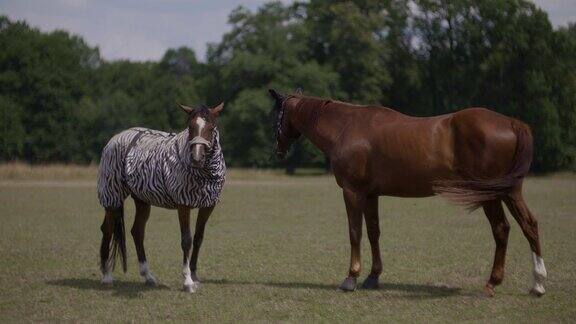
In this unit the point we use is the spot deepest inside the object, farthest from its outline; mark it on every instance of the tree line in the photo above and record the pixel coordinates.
(60, 101)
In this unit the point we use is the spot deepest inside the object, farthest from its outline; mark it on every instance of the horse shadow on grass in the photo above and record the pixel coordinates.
(125, 289)
(133, 289)
(407, 290)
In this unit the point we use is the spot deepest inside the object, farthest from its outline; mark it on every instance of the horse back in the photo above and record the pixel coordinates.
(389, 153)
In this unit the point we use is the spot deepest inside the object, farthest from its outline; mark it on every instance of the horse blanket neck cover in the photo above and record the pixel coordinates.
(155, 167)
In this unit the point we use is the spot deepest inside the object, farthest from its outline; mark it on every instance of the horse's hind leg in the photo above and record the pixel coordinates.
(107, 229)
(500, 230)
(138, 231)
(529, 225)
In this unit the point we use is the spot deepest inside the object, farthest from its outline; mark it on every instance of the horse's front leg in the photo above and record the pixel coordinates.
(186, 242)
(354, 207)
(203, 215)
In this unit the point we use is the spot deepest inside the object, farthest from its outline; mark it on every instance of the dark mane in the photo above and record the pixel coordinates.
(276, 114)
(310, 108)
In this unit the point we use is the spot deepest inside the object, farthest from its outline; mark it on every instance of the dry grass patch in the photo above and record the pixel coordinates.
(24, 171)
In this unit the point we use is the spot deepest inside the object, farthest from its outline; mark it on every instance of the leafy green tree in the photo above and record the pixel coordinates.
(264, 49)
(565, 89)
(46, 75)
(59, 101)
(503, 55)
(11, 130)
(349, 36)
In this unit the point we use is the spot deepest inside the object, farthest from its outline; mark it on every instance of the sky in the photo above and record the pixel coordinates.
(145, 29)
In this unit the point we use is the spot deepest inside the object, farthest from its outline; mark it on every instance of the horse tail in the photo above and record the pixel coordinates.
(118, 240)
(472, 193)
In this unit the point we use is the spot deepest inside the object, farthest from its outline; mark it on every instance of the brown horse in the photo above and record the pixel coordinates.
(475, 157)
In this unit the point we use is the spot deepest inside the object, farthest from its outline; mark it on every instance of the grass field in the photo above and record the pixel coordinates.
(275, 249)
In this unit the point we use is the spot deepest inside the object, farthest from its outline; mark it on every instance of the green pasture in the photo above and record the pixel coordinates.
(275, 249)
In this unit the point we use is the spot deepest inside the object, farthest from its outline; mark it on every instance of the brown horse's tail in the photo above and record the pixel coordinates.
(472, 193)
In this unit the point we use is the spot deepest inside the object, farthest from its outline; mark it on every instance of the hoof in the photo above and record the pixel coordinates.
(190, 289)
(106, 280)
(150, 282)
(537, 291)
(195, 280)
(370, 283)
(106, 284)
(349, 284)
(488, 291)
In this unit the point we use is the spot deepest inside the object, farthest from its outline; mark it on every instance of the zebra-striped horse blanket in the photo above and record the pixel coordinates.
(155, 167)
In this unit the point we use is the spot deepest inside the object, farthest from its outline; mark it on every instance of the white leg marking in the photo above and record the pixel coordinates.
(539, 274)
(189, 285)
(145, 272)
(107, 274)
(107, 278)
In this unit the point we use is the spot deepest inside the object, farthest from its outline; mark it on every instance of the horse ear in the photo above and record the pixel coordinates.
(186, 109)
(275, 94)
(217, 109)
(299, 91)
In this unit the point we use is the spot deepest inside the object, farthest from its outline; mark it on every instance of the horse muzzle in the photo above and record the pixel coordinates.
(198, 160)
(199, 147)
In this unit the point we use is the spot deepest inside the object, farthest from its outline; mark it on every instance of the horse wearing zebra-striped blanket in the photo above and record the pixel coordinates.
(176, 171)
